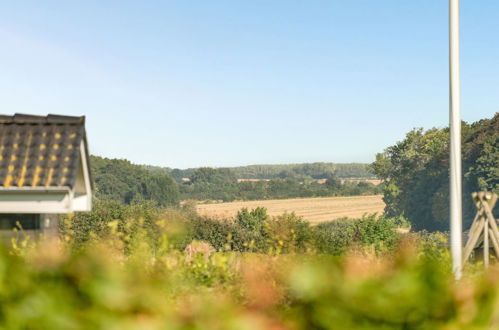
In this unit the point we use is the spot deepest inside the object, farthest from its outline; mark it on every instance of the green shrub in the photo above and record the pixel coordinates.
(337, 236)
(254, 231)
(83, 227)
(377, 232)
(433, 246)
(142, 221)
(252, 220)
(287, 233)
(334, 237)
(251, 230)
(225, 235)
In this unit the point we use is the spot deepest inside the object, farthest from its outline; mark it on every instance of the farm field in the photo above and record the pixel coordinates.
(314, 210)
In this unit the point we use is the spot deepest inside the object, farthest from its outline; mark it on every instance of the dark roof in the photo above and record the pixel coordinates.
(39, 151)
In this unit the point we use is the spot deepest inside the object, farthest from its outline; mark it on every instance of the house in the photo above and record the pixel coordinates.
(44, 171)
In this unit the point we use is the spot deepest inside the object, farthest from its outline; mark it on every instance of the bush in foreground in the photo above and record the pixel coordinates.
(100, 286)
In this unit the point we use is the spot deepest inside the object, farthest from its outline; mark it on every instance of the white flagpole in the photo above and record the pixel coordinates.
(455, 140)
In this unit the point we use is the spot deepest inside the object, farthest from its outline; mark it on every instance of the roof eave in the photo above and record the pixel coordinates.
(35, 189)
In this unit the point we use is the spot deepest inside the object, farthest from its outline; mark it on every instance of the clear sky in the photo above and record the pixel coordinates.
(222, 83)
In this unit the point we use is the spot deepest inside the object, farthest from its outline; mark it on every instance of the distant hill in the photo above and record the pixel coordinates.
(306, 170)
(295, 171)
(121, 180)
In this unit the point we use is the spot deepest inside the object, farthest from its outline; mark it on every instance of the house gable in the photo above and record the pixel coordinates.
(44, 165)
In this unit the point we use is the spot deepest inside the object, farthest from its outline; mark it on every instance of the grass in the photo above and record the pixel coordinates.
(315, 210)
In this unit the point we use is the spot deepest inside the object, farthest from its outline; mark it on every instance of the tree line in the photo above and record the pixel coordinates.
(222, 184)
(295, 171)
(120, 180)
(416, 171)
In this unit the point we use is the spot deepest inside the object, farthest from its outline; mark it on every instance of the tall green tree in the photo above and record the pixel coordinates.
(120, 180)
(416, 172)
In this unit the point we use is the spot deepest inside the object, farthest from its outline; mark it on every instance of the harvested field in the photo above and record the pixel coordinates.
(314, 210)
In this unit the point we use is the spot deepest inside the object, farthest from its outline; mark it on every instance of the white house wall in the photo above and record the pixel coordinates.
(35, 202)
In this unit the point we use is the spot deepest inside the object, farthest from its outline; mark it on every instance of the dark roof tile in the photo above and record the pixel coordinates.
(37, 151)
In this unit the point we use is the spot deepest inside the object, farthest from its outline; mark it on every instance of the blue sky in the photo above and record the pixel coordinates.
(223, 83)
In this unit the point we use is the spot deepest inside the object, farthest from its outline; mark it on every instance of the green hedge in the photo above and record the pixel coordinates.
(250, 230)
(336, 237)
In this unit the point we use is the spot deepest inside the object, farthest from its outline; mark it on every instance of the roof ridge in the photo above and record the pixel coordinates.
(20, 118)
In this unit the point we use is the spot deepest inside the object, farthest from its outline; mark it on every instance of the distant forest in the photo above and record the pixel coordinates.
(294, 171)
(120, 180)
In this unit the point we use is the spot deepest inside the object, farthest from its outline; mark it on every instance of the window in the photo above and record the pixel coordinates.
(24, 221)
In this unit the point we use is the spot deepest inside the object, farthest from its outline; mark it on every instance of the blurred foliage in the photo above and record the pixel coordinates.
(123, 280)
(416, 173)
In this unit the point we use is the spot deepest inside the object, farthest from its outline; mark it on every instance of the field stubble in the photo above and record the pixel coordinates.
(314, 210)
